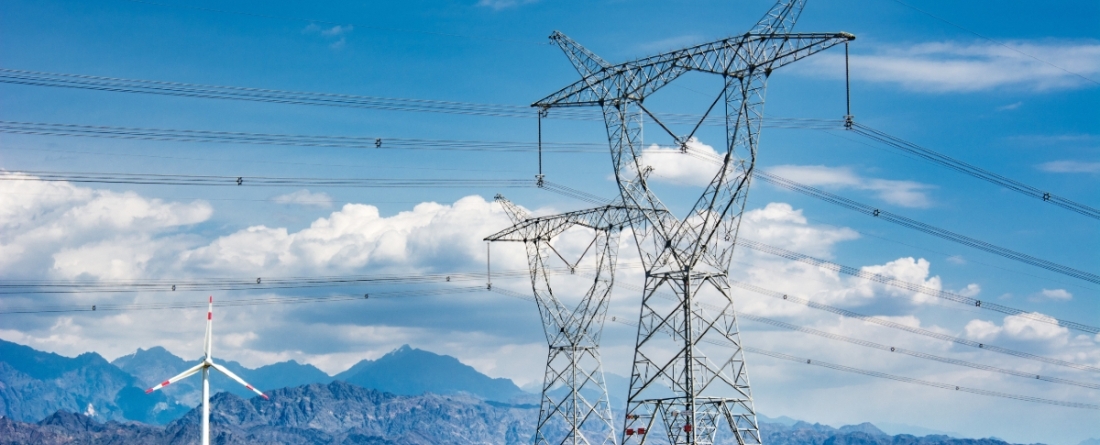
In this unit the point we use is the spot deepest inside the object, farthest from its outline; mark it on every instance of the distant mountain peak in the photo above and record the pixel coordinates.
(865, 427)
(410, 371)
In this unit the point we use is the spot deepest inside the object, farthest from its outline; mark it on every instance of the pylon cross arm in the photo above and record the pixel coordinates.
(604, 218)
(734, 56)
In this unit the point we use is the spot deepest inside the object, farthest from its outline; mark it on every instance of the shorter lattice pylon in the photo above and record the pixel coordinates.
(575, 408)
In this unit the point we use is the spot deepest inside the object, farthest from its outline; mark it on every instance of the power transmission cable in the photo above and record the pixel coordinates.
(866, 343)
(35, 78)
(945, 234)
(239, 302)
(456, 277)
(911, 329)
(258, 181)
(329, 22)
(18, 287)
(929, 229)
(994, 41)
(181, 89)
(30, 287)
(337, 298)
(896, 377)
(223, 161)
(883, 375)
(913, 287)
(974, 171)
(399, 143)
(912, 353)
(178, 180)
(309, 202)
(950, 257)
(157, 134)
(202, 136)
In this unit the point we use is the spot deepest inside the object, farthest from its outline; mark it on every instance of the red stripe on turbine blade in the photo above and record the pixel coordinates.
(265, 397)
(211, 299)
(209, 315)
(149, 390)
(250, 387)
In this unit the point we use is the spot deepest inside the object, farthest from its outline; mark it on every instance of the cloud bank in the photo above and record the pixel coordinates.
(946, 67)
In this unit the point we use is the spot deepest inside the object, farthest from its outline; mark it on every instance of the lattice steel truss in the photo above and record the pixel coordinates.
(574, 372)
(689, 371)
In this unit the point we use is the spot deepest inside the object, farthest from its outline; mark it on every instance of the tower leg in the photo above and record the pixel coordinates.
(689, 372)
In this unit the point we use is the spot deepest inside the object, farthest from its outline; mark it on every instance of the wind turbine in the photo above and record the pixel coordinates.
(207, 363)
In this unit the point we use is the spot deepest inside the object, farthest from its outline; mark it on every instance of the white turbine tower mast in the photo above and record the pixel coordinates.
(204, 367)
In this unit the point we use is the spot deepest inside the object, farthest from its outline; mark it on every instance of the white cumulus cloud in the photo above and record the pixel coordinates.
(943, 67)
(60, 229)
(1033, 326)
(355, 237)
(1056, 294)
(671, 165)
(1070, 167)
(306, 198)
(903, 193)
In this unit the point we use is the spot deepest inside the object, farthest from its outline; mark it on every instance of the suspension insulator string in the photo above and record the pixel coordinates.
(848, 118)
(539, 178)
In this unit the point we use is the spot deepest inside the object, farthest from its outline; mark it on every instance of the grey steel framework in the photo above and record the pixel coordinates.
(574, 372)
(689, 371)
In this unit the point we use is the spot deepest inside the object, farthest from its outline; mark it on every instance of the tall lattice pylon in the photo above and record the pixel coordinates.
(575, 408)
(689, 375)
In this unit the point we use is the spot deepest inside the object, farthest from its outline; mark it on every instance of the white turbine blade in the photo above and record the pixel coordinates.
(177, 378)
(238, 379)
(209, 330)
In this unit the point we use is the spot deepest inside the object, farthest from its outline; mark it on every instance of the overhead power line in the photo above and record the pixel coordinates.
(239, 302)
(912, 353)
(295, 140)
(898, 378)
(883, 375)
(974, 171)
(925, 228)
(866, 343)
(911, 329)
(913, 287)
(929, 229)
(258, 181)
(138, 86)
(181, 89)
(30, 287)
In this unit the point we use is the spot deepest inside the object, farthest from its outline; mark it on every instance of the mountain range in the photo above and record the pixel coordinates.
(35, 384)
(345, 414)
(408, 396)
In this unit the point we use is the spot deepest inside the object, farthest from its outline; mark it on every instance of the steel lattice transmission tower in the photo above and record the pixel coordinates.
(575, 408)
(689, 374)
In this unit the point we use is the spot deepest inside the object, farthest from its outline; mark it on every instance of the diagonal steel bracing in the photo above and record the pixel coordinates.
(575, 408)
(686, 384)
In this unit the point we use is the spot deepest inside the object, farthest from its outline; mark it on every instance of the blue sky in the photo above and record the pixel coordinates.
(990, 103)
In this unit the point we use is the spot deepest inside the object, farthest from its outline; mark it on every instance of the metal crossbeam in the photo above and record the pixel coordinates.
(683, 388)
(739, 56)
(575, 408)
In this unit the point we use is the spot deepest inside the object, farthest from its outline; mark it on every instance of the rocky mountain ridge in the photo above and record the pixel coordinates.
(339, 413)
